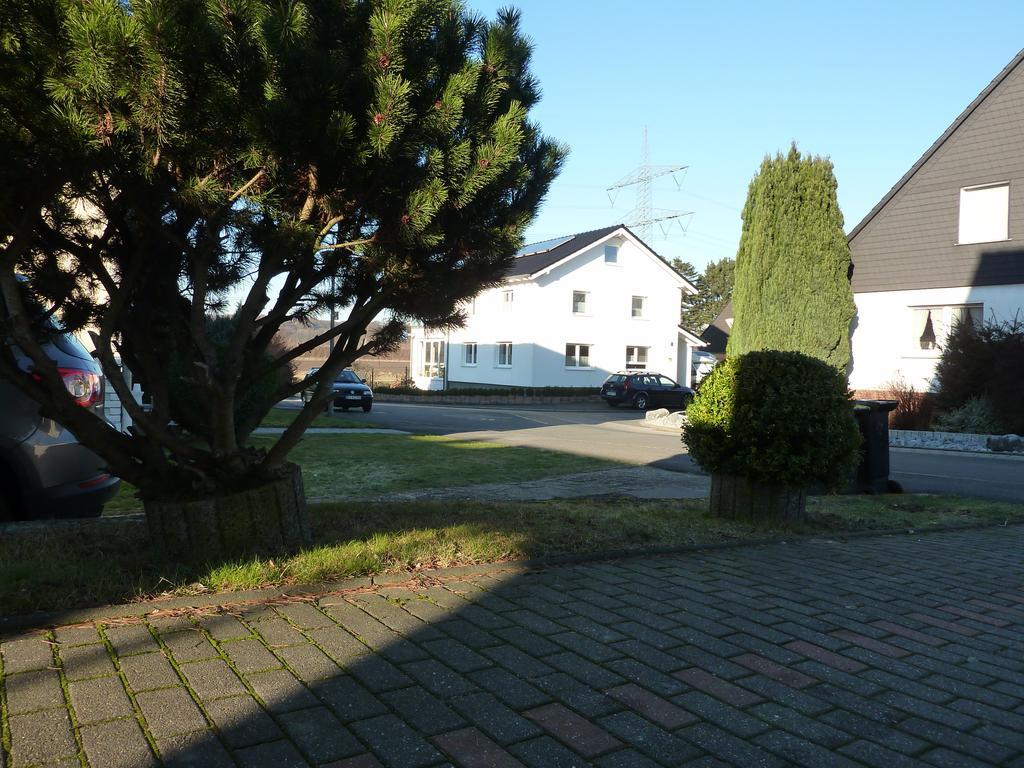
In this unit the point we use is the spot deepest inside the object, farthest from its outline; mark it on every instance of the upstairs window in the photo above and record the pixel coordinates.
(638, 306)
(579, 302)
(611, 254)
(636, 358)
(984, 214)
(469, 353)
(504, 354)
(577, 355)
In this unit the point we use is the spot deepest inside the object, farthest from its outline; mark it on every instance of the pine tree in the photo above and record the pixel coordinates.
(714, 288)
(792, 288)
(166, 161)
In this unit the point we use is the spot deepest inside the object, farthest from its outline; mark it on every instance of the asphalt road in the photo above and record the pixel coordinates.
(620, 434)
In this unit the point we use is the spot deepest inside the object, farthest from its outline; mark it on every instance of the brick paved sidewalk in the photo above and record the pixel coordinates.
(894, 651)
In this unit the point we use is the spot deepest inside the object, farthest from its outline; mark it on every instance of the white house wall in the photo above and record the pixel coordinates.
(886, 344)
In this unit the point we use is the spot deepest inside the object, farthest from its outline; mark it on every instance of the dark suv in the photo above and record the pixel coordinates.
(645, 390)
(44, 470)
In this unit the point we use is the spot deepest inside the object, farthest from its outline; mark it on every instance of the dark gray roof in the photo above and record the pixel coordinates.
(717, 334)
(938, 143)
(535, 262)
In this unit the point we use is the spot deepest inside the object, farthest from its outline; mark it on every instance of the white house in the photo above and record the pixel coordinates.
(570, 311)
(944, 244)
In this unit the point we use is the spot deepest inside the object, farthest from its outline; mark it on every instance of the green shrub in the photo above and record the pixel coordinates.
(985, 360)
(775, 418)
(976, 416)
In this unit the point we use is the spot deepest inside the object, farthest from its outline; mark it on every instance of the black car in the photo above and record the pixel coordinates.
(351, 392)
(645, 390)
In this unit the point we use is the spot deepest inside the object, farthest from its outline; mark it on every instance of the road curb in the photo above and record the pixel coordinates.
(223, 601)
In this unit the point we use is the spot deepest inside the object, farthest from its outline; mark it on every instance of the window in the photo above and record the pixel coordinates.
(984, 214)
(931, 326)
(469, 353)
(579, 302)
(506, 300)
(577, 355)
(636, 358)
(611, 254)
(665, 381)
(504, 354)
(432, 354)
(638, 306)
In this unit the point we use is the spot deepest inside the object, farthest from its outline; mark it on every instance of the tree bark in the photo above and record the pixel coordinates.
(266, 520)
(737, 498)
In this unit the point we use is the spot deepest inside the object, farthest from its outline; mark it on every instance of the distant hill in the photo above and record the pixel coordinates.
(384, 369)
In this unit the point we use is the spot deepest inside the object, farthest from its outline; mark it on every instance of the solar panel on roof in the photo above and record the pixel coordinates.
(541, 247)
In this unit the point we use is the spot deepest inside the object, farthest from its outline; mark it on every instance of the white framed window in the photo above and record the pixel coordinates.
(506, 300)
(579, 302)
(636, 358)
(577, 355)
(984, 214)
(611, 254)
(930, 326)
(432, 357)
(469, 353)
(504, 354)
(637, 309)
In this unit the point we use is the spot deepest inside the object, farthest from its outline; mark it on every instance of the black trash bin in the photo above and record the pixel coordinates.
(873, 472)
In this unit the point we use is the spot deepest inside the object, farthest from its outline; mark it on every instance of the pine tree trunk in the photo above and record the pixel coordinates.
(737, 498)
(266, 520)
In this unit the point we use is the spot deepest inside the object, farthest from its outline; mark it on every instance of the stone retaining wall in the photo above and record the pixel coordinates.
(956, 441)
(486, 399)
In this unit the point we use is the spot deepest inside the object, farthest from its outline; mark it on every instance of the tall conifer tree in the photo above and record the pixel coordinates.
(792, 289)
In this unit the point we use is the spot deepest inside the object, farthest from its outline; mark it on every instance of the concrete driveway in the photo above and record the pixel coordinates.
(885, 651)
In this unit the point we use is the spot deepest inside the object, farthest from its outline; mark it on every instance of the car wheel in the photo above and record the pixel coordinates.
(367, 407)
(641, 402)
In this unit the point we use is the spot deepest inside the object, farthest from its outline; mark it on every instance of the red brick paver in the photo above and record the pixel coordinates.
(910, 634)
(574, 731)
(871, 644)
(818, 653)
(653, 707)
(768, 668)
(721, 689)
(471, 749)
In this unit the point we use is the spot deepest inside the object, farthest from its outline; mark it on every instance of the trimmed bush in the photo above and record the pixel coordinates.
(976, 417)
(775, 419)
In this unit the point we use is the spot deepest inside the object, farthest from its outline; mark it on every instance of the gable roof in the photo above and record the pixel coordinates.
(716, 335)
(938, 144)
(533, 263)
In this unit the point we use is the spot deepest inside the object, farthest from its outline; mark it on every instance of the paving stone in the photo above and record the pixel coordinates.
(825, 656)
(280, 691)
(580, 734)
(249, 656)
(545, 752)
(471, 749)
(276, 631)
(189, 645)
(423, 711)
(147, 671)
(26, 653)
(786, 719)
(304, 615)
(468, 633)
(361, 761)
(41, 736)
(168, 624)
(224, 626)
(638, 672)
(318, 735)
(516, 661)
(873, 730)
(117, 744)
(459, 657)
(804, 702)
(395, 743)
(630, 758)
(577, 696)
(309, 663)
(800, 751)
(349, 700)
(944, 736)
(494, 718)
(393, 616)
(722, 689)
(129, 639)
(170, 712)
(649, 738)
(910, 634)
(340, 645)
(948, 758)
(241, 722)
(721, 714)
(439, 679)
(592, 674)
(213, 679)
(102, 698)
(768, 668)
(199, 749)
(653, 707)
(275, 754)
(29, 691)
(733, 750)
(876, 756)
(81, 635)
(513, 690)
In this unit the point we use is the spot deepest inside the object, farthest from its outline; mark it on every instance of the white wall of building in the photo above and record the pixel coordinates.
(886, 338)
(541, 321)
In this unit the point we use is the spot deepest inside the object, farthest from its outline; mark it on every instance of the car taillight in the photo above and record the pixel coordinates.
(84, 386)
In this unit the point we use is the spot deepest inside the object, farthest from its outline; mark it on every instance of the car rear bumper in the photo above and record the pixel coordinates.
(352, 402)
(79, 499)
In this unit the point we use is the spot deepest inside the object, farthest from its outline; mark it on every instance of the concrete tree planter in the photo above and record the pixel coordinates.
(736, 498)
(261, 521)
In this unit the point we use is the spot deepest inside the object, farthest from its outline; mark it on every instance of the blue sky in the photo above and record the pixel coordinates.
(719, 85)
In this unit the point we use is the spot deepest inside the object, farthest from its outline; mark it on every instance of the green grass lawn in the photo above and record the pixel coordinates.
(338, 467)
(371, 538)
